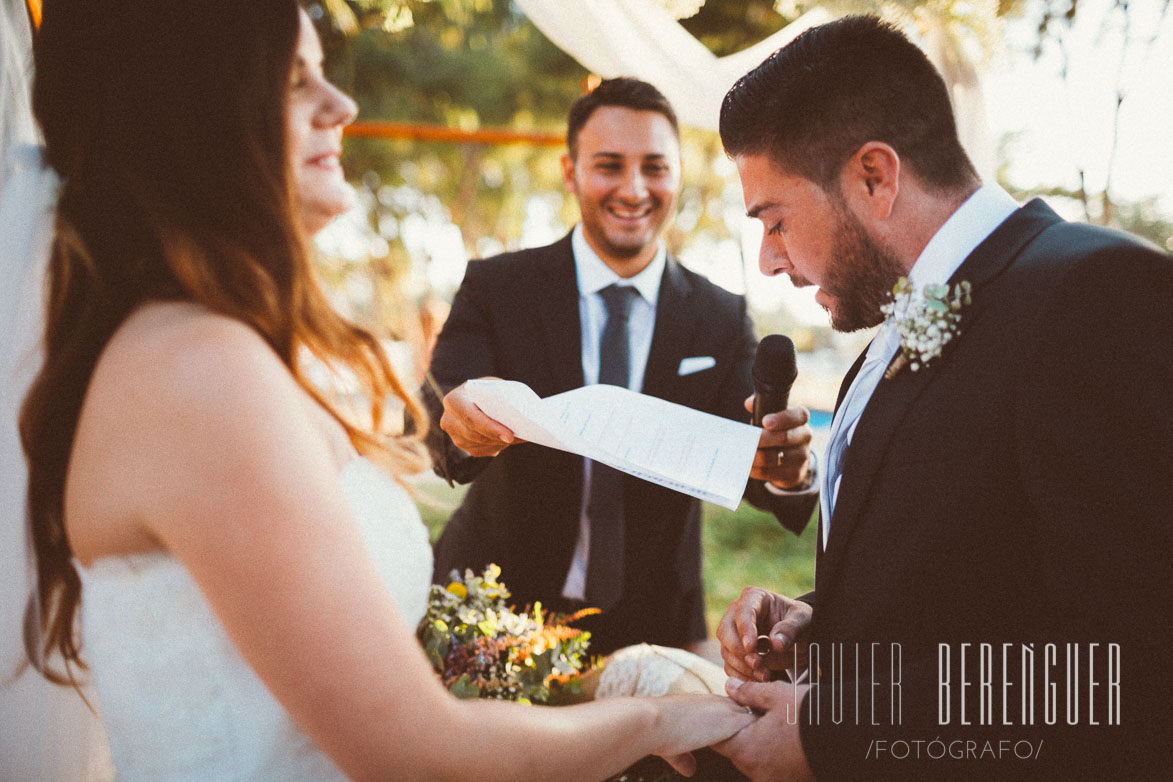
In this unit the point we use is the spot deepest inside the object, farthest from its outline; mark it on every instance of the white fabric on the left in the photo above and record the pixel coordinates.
(46, 732)
(16, 116)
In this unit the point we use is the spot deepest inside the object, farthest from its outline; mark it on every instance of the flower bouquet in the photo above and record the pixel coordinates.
(481, 648)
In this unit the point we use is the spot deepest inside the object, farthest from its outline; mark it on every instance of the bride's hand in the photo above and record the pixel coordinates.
(690, 722)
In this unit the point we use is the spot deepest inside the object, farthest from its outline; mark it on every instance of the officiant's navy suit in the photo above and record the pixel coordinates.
(516, 317)
(1019, 490)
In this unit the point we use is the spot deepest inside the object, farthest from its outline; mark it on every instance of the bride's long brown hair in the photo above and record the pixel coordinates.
(166, 122)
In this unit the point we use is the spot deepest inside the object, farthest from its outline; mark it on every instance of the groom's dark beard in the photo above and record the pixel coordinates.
(860, 276)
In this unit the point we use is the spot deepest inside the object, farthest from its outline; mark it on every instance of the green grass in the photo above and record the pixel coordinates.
(742, 548)
(748, 547)
(436, 502)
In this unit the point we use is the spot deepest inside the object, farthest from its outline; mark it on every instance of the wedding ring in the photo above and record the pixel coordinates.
(763, 646)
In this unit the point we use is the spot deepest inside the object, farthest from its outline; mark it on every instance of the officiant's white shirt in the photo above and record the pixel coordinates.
(593, 275)
(986, 209)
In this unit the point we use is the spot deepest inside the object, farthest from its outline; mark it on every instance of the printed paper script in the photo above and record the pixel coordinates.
(702, 455)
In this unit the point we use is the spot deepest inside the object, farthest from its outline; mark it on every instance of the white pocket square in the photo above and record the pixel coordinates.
(695, 364)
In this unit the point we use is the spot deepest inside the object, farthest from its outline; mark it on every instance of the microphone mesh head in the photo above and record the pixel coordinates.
(775, 365)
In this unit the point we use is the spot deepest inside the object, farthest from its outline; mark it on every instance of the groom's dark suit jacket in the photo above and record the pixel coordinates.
(1017, 490)
(516, 317)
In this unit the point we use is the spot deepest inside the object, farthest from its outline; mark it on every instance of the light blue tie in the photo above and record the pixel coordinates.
(879, 355)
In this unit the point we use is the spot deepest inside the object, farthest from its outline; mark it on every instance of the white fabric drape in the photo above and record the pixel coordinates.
(16, 119)
(46, 732)
(639, 38)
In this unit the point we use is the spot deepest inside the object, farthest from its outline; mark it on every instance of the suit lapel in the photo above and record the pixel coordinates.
(557, 295)
(672, 336)
(894, 399)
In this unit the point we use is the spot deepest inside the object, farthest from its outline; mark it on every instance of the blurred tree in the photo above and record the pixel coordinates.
(728, 27)
(429, 206)
(1053, 21)
(470, 64)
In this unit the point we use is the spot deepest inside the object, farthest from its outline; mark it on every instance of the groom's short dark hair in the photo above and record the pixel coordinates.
(818, 99)
(623, 92)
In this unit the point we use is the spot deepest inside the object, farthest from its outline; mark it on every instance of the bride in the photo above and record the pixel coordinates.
(213, 539)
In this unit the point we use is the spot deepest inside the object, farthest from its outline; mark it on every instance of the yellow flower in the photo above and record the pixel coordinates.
(458, 589)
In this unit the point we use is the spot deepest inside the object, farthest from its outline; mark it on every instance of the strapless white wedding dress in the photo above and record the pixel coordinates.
(177, 699)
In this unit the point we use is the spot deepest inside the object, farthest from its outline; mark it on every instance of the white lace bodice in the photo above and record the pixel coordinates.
(177, 699)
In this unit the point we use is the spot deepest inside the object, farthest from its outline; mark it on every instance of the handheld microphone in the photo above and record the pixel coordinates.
(774, 371)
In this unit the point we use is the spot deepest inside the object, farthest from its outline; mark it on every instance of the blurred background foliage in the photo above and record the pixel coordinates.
(473, 64)
(428, 206)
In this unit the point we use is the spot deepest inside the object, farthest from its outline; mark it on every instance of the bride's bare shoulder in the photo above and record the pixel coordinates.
(177, 396)
(182, 353)
(176, 379)
(159, 331)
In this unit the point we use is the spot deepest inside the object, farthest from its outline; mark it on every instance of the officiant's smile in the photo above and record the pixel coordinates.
(624, 166)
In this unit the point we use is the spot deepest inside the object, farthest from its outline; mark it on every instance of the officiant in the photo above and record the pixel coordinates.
(605, 304)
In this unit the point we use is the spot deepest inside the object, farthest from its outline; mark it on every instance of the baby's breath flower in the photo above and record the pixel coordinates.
(925, 322)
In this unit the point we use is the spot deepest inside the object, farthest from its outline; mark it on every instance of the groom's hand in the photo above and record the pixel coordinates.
(770, 749)
(470, 428)
(783, 455)
(759, 612)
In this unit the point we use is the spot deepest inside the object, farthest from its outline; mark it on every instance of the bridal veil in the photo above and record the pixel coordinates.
(46, 732)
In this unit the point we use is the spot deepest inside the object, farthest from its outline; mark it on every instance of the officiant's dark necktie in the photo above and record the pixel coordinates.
(605, 500)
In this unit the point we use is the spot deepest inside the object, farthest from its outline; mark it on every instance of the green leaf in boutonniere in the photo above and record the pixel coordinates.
(926, 321)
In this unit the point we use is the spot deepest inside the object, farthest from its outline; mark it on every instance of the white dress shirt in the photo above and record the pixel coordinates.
(593, 275)
(986, 209)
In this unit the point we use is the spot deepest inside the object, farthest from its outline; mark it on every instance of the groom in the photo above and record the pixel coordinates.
(993, 593)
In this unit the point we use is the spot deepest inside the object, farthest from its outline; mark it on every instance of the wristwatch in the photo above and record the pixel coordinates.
(812, 474)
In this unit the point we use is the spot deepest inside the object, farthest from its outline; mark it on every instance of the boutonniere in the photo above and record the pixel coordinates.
(926, 321)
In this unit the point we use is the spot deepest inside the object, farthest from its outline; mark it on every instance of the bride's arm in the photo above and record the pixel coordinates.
(239, 484)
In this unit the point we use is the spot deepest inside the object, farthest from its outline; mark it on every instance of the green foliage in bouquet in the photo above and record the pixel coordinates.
(481, 648)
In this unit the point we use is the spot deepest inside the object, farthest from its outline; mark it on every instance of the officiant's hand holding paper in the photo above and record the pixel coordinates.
(470, 428)
(696, 453)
